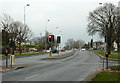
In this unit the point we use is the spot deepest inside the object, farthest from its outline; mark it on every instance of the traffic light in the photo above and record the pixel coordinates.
(51, 38)
(107, 54)
(91, 43)
(6, 53)
(58, 39)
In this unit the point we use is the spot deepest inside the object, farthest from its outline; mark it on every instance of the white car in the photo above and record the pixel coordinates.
(83, 49)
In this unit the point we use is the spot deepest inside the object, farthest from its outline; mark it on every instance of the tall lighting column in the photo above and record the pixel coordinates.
(46, 33)
(25, 21)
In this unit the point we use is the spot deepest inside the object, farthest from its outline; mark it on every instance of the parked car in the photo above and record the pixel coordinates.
(54, 51)
(62, 50)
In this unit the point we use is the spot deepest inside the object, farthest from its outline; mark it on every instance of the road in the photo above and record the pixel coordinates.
(33, 59)
(74, 68)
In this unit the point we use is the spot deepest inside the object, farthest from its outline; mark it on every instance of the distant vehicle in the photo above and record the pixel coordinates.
(75, 49)
(94, 48)
(33, 49)
(54, 51)
(83, 49)
(62, 50)
(90, 48)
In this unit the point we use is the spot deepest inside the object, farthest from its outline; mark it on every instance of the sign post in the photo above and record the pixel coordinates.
(51, 40)
(58, 41)
(6, 54)
(106, 60)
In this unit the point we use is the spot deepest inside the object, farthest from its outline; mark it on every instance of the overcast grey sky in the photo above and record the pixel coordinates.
(69, 15)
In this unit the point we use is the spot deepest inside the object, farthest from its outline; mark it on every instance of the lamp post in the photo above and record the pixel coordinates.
(24, 12)
(46, 25)
(25, 21)
(45, 33)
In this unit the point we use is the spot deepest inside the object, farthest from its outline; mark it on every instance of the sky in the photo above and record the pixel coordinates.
(70, 16)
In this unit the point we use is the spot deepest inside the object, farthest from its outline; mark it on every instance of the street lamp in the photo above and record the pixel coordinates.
(25, 20)
(24, 11)
(45, 33)
(46, 25)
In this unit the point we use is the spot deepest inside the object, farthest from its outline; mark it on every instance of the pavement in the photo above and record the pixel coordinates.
(116, 54)
(74, 68)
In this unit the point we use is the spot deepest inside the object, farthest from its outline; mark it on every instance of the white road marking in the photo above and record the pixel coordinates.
(31, 76)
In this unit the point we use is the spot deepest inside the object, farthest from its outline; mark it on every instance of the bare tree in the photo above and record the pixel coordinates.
(117, 31)
(99, 18)
(78, 44)
(12, 30)
(5, 21)
(23, 32)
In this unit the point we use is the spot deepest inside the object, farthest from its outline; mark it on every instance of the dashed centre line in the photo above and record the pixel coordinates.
(31, 76)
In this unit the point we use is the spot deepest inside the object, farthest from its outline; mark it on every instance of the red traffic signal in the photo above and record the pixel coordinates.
(51, 38)
(6, 52)
(106, 53)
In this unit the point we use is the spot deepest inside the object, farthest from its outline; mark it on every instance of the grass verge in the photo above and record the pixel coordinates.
(107, 76)
(111, 56)
(115, 52)
(24, 55)
(114, 67)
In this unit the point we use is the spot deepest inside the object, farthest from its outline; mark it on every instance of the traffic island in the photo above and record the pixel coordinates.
(59, 57)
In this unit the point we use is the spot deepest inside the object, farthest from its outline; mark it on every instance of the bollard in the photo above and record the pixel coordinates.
(50, 55)
(12, 60)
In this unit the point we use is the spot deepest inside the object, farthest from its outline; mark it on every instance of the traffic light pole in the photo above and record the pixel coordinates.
(6, 61)
(106, 31)
(6, 54)
(58, 49)
(58, 41)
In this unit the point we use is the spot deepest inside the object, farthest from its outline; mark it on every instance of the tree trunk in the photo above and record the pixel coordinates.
(20, 47)
(13, 47)
(109, 46)
(13, 50)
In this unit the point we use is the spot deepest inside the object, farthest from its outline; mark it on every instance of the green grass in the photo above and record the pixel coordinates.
(22, 55)
(114, 67)
(115, 52)
(111, 56)
(107, 76)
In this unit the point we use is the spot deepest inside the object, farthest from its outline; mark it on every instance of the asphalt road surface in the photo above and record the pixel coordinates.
(74, 68)
(33, 59)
